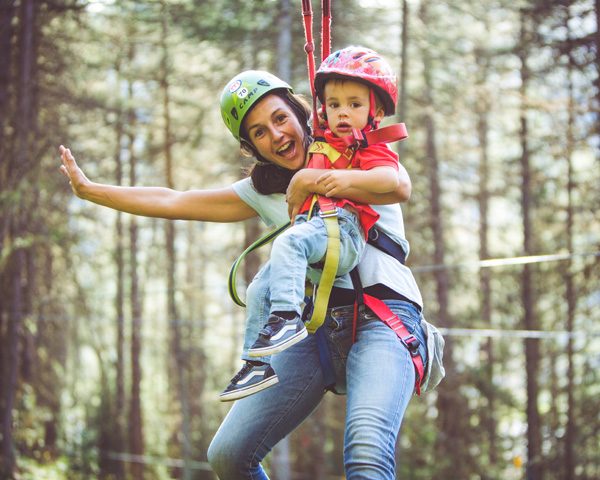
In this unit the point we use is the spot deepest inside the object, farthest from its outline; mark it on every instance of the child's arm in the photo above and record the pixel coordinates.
(376, 180)
(304, 183)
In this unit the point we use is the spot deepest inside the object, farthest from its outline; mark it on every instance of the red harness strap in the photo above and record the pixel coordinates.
(408, 339)
(389, 134)
(383, 312)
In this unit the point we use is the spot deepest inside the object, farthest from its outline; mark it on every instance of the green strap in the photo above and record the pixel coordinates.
(267, 238)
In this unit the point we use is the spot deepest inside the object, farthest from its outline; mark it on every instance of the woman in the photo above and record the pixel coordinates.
(377, 398)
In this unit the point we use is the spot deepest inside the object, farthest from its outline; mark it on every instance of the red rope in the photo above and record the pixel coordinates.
(309, 48)
(325, 29)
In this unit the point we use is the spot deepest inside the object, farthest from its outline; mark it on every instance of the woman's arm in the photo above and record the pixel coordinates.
(305, 182)
(218, 205)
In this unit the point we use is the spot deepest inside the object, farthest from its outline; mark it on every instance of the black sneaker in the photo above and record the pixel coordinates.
(277, 335)
(250, 379)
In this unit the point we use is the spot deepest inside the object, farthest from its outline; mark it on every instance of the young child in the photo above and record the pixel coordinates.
(357, 89)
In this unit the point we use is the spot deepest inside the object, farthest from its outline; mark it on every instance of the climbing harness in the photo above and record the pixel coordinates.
(367, 63)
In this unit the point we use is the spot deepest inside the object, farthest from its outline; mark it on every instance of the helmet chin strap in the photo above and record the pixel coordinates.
(374, 124)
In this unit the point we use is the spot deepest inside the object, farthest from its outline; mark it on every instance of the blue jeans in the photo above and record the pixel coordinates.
(303, 244)
(376, 402)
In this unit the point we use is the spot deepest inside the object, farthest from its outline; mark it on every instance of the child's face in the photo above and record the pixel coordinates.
(347, 105)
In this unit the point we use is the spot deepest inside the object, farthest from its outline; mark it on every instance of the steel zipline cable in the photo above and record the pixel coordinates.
(504, 262)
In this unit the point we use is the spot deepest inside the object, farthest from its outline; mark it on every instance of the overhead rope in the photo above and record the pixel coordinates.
(515, 333)
(503, 262)
(450, 331)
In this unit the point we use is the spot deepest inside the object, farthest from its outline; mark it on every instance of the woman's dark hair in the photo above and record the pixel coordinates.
(267, 177)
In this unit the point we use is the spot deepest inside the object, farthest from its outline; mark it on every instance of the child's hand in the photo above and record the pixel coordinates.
(335, 182)
(69, 169)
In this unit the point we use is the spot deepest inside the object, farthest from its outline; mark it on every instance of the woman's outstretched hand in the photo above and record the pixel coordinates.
(71, 170)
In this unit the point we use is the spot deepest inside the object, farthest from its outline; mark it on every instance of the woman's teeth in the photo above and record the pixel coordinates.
(283, 149)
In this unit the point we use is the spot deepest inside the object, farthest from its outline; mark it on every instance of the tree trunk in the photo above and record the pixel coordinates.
(281, 451)
(178, 354)
(136, 438)
(9, 384)
(284, 41)
(117, 466)
(15, 226)
(26, 110)
(194, 295)
(534, 439)
(597, 63)
(7, 13)
(482, 110)
(451, 437)
(570, 438)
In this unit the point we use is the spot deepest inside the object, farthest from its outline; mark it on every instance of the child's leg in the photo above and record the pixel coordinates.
(303, 244)
(292, 252)
(258, 307)
(306, 243)
(256, 374)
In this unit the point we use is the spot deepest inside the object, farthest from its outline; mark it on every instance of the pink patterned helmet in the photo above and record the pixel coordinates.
(363, 65)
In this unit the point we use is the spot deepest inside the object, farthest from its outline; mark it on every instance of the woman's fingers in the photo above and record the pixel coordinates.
(70, 169)
(64, 171)
(67, 157)
(64, 168)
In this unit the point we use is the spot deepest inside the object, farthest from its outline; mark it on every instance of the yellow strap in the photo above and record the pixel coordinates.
(323, 147)
(330, 268)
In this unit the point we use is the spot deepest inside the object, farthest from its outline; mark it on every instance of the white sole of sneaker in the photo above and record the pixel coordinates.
(264, 351)
(245, 392)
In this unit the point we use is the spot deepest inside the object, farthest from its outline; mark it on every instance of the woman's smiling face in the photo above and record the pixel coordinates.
(276, 133)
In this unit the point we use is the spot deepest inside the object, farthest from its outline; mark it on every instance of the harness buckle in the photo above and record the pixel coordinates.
(412, 344)
(373, 234)
(328, 213)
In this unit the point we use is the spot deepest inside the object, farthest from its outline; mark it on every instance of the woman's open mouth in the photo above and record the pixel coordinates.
(287, 149)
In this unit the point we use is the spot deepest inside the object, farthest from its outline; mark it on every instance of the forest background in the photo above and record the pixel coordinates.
(116, 333)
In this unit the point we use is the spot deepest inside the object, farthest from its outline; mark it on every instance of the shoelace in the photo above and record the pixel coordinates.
(245, 369)
(269, 328)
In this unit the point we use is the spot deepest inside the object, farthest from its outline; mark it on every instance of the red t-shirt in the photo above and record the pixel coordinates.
(333, 149)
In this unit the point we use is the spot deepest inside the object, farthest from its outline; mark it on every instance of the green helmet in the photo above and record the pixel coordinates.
(242, 92)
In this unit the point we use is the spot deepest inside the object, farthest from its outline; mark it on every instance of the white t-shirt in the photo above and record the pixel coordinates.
(375, 266)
